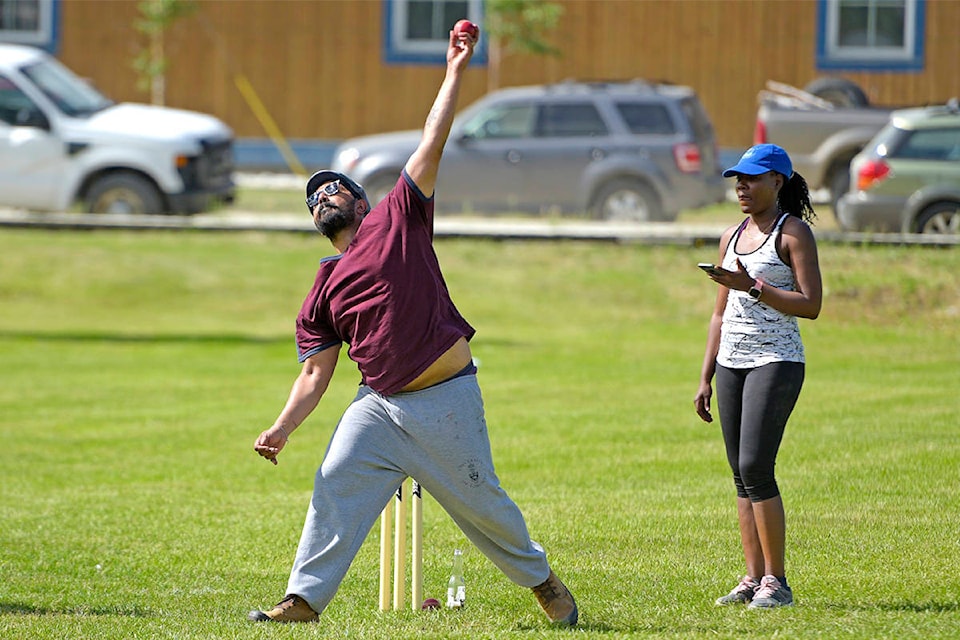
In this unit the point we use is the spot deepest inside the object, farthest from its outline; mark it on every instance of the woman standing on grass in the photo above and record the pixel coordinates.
(770, 275)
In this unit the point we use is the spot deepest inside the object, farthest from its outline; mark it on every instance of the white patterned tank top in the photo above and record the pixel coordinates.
(754, 334)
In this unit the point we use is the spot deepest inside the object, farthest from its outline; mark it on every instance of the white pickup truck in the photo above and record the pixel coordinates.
(64, 144)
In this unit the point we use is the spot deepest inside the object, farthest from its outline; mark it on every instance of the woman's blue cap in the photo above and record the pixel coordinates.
(761, 158)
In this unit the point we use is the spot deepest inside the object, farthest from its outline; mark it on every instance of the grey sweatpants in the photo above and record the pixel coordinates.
(438, 436)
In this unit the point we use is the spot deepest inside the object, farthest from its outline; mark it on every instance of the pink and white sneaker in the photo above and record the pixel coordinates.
(741, 594)
(771, 594)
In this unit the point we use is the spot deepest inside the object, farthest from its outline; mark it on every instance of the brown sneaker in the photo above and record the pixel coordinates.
(293, 608)
(557, 601)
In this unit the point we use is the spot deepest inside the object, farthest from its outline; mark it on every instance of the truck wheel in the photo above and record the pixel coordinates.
(838, 91)
(625, 199)
(941, 218)
(124, 193)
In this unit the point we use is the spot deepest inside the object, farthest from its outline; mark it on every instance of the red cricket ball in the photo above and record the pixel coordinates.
(430, 603)
(465, 26)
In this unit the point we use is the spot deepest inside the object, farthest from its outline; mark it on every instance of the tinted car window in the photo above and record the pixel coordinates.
(646, 118)
(14, 104)
(931, 144)
(887, 139)
(71, 94)
(698, 118)
(504, 121)
(569, 120)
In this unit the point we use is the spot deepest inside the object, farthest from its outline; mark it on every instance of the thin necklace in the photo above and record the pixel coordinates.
(769, 227)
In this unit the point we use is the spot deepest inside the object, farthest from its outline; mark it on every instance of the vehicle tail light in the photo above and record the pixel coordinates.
(871, 173)
(687, 157)
(760, 132)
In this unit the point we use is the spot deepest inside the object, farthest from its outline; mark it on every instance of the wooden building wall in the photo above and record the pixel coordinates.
(317, 64)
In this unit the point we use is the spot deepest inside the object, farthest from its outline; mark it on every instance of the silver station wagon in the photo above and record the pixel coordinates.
(907, 179)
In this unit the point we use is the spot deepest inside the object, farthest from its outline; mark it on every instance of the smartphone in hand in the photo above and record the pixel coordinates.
(711, 268)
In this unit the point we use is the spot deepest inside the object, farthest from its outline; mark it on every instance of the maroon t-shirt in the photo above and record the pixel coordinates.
(385, 296)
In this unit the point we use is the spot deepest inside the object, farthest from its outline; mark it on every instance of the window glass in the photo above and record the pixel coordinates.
(503, 121)
(418, 30)
(698, 118)
(15, 106)
(870, 34)
(569, 120)
(433, 19)
(890, 29)
(28, 22)
(931, 144)
(879, 23)
(646, 118)
(71, 94)
(20, 15)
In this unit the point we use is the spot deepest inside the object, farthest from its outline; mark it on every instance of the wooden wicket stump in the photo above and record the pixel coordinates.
(393, 524)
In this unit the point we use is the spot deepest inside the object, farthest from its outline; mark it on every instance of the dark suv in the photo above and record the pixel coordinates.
(618, 151)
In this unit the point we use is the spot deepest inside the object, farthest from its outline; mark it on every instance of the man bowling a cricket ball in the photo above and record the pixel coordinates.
(418, 412)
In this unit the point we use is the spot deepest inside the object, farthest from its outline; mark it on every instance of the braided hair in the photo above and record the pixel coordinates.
(794, 198)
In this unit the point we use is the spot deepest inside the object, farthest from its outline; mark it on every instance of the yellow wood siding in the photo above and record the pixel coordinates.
(318, 66)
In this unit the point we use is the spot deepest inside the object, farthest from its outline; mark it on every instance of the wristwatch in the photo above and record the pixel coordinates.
(757, 288)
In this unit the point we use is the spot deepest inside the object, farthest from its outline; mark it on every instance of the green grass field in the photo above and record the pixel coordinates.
(138, 368)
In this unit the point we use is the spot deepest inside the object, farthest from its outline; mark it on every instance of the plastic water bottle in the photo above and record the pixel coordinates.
(456, 587)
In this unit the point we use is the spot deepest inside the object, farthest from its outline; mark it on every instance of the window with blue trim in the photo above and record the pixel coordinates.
(417, 31)
(31, 22)
(880, 35)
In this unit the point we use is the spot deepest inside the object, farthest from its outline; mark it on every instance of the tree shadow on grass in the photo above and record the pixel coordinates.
(907, 607)
(19, 608)
(142, 338)
(173, 338)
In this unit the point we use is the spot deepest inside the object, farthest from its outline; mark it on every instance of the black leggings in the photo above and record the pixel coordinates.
(754, 405)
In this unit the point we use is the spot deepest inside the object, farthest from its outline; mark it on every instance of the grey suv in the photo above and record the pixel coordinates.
(618, 151)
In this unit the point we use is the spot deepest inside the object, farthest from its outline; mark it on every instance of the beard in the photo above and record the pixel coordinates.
(333, 219)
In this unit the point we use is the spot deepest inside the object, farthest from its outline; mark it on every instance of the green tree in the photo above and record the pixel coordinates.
(518, 26)
(156, 16)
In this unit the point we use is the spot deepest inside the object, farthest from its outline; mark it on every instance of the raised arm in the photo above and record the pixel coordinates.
(422, 166)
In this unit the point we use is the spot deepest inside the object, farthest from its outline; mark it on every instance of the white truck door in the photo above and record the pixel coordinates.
(33, 160)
